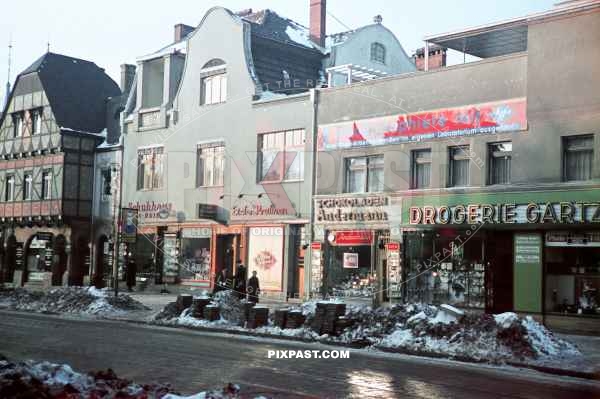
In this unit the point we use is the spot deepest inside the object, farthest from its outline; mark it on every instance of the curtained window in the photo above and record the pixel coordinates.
(459, 166)
(578, 157)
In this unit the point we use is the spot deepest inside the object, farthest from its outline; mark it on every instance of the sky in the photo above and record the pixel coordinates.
(113, 32)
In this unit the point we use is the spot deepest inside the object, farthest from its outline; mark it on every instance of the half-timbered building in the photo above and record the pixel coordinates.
(55, 117)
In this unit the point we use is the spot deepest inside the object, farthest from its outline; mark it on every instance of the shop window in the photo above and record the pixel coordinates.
(211, 165)
(9, 190)
(459, 166)
(500, 155)
(18, 124)
(150, 168)
(578, 157)
(572, 273)
(47, 184)
(421, 169)
(36, 121)
(456, 277)
(378, 52)
(281, 156)
(214, 82)
(27, 186)
(364, 174)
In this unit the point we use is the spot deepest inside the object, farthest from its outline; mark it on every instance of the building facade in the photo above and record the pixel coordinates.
(51, 125)
(219, 139)
(475, 184)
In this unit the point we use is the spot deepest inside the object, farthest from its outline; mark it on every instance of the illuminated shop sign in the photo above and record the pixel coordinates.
(352, 209)
(468, 120)
(550, 212)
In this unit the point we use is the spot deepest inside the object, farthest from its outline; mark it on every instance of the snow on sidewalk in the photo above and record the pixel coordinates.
(72, 300)
(44, 379)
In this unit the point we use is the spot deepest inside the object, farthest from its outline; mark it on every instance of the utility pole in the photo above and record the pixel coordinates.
(117, 200)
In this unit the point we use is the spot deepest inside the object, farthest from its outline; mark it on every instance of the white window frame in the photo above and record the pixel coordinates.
(46, 185)
(27, 186)
(36, 121)
(154, 151)
(9, 190)
(18, 125)
(292, 141)
(214, 88)
(213, 154)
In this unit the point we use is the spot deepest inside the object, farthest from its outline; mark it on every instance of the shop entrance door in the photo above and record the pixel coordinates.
(499, 260)
(227, 251)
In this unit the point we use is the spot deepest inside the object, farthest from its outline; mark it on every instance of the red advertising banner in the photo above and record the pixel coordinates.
(351, 237)
(468, 120)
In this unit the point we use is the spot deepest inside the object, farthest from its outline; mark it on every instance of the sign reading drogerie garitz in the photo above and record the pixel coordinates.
(550, 213)
(467, 120)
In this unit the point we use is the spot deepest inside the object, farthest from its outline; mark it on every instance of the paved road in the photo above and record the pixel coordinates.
(193, 361)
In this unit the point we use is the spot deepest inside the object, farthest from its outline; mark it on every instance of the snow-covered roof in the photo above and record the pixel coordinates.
(177, 47)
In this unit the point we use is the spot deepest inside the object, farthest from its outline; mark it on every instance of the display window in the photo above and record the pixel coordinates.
(572, 277)
(351, 269)
(445, 266)
(195, 259)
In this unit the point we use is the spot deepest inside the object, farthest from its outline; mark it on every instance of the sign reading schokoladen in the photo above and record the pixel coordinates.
(356, 209)
(531, 213)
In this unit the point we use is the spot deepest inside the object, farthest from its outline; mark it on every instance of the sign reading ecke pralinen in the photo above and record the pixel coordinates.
(532, 213)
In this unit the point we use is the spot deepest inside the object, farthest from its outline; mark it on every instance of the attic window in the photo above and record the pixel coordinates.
(214, 82)
(378, 52)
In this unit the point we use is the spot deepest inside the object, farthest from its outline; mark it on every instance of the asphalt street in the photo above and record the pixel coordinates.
(193, 361)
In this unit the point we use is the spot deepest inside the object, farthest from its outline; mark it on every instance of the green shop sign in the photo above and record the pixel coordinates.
(532, 207)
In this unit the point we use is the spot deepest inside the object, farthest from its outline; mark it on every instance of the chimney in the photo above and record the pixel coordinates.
(318, 9)
(181, 31)
(127, 76)
(437, 57)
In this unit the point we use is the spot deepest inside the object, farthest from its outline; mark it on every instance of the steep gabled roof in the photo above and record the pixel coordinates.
(77, 91)
(284, 58)
(270, 25)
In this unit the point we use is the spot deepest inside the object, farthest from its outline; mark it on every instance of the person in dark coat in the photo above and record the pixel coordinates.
(223, 281)
(240, 280)
(130, 273)
(253, 288)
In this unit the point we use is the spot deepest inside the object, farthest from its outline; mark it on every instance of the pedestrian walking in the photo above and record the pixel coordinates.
(240, 280)
(253, 288)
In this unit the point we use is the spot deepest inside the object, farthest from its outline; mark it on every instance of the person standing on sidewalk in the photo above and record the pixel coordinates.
(253, 288)
(130, 273)
(240, 280)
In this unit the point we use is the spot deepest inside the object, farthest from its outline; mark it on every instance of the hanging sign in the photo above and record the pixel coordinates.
(350, 260)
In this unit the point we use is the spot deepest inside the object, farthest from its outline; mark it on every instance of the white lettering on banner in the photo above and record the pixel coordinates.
(352, 209)
(550, 213)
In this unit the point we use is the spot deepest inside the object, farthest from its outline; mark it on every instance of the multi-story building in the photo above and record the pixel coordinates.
(474, 184)
(223, 130)
(50, 127)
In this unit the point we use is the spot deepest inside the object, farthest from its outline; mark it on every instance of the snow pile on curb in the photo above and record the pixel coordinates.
(422, 329)
(82, 300)
(48, 380)
(482, 337)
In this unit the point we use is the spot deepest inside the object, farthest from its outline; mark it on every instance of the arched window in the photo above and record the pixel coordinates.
(378, 52)
(214, 82)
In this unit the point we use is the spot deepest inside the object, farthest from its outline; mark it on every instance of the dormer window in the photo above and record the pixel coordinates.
(214, 82)
(378, 52)
(18, 124)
